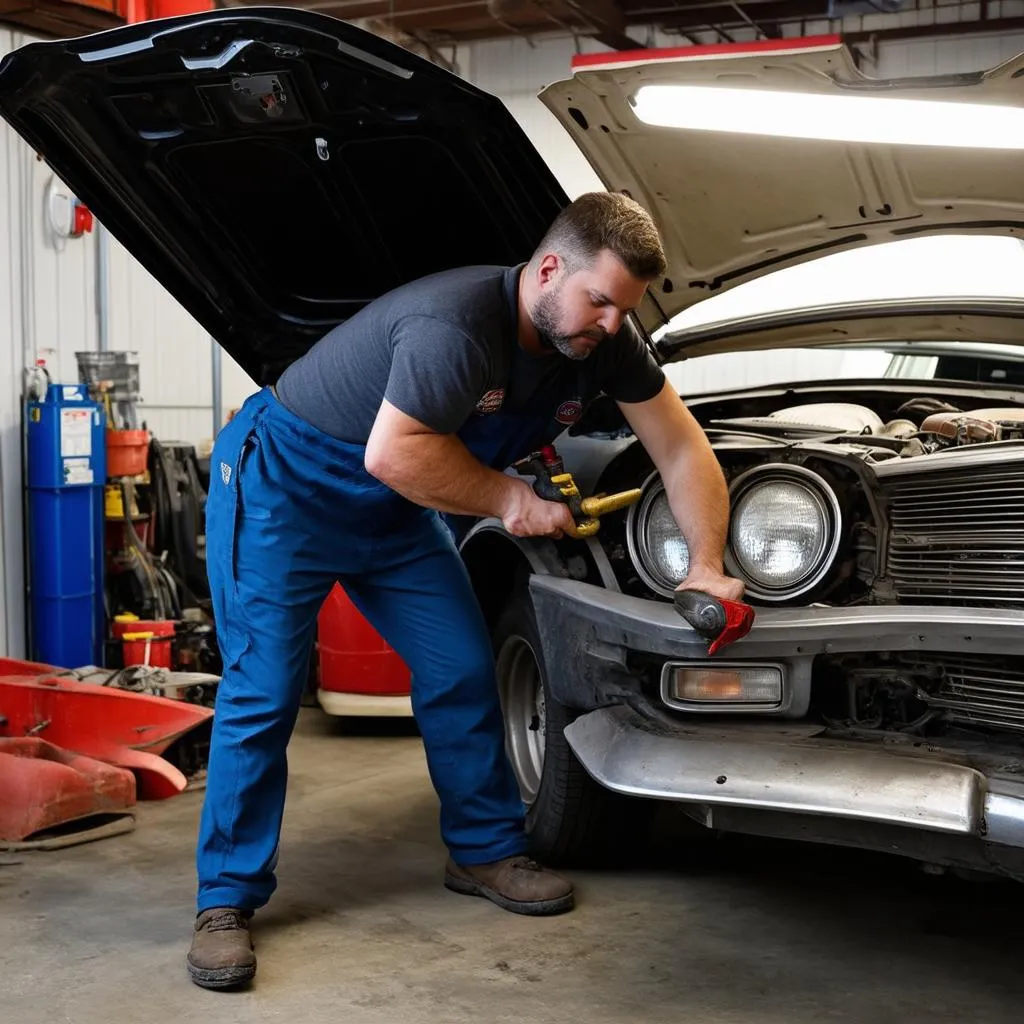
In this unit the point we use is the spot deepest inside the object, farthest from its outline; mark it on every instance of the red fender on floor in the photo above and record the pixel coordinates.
(120, 727)
(45, 786)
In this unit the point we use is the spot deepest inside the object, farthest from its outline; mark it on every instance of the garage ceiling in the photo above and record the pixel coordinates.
(61, 17)
(427, 25)
(621, 24)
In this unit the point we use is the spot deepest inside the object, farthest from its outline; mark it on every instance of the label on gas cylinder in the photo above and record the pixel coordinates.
(75, 433)
(77, 471)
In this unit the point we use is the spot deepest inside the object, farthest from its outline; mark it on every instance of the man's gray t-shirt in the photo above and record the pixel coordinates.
(444, 350)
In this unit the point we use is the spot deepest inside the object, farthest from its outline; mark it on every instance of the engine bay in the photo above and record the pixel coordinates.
(919, 426)
(811, 522)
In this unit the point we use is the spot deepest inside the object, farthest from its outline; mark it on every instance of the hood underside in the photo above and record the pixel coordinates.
(276, 169)
(734, 206)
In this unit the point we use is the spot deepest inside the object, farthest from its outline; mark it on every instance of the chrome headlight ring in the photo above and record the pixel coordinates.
(811, 557)
(652, 567)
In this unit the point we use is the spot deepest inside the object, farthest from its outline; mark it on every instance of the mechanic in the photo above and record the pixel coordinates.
(412, 408)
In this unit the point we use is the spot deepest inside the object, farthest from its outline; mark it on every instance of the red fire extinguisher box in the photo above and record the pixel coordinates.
(359, 673)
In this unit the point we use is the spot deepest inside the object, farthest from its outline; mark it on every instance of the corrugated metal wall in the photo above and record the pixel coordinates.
(48, 301)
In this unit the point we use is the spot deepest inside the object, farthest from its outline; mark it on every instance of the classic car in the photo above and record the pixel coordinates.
(878, 700)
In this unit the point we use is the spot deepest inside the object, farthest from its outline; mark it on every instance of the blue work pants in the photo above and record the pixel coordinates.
(290, 511)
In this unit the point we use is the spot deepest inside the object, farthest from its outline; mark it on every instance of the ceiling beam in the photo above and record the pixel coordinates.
(722, 13)
(604, 20)
(946, 28)
(771, 32)
(766, 15)
(449, 11)
(608, 20)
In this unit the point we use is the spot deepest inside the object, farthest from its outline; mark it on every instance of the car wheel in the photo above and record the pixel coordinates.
(570, 819)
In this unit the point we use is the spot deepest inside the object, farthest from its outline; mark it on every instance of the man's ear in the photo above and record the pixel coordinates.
(549, 269)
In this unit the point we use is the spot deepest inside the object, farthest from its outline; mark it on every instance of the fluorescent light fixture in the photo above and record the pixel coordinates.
(879, 119)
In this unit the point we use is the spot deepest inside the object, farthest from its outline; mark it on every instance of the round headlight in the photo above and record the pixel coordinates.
(656, 544)
(784, 531)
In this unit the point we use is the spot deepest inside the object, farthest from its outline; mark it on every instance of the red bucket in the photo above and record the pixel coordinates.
(127, 452)
(146, 643)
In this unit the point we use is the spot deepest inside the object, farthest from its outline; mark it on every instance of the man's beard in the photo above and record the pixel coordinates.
(547, 321)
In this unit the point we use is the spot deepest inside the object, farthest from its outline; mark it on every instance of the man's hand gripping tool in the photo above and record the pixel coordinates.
(718, 622)
(552, 483)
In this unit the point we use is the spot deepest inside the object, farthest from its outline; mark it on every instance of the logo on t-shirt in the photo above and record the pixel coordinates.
(491, 402)
(569, 412)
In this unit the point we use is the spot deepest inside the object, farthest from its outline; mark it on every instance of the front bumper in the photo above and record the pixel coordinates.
(588, 634)
(773, 767)
(785, 769)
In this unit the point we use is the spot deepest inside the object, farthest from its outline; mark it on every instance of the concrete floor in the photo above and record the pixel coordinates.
(362, 932)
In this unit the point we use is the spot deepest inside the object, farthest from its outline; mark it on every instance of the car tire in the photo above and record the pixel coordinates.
(570, 819)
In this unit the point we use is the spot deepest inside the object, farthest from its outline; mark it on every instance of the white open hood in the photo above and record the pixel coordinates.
(733, 206)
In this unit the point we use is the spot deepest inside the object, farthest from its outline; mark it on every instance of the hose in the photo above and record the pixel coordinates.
(143, 556)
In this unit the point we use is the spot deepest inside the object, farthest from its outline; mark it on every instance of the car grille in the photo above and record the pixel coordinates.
(981, 691)
(958, 538)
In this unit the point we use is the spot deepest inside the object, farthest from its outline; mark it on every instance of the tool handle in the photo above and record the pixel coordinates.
(702, 611)
(544, 487)
(552, 483)
(718, 622)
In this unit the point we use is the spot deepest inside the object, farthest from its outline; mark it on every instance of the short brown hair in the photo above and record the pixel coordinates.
(606, 220)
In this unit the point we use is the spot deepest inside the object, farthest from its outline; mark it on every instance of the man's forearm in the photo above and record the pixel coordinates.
(699, 499)
(438, 471)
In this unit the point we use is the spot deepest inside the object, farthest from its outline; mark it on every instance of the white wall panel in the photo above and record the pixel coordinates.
(953, 54)
(236, 385)
(174, 351)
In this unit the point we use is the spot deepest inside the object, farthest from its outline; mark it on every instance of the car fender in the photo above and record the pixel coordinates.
(498, 563)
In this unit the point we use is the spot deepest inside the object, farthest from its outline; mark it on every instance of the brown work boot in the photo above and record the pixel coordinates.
(518, 884)
(222, 952)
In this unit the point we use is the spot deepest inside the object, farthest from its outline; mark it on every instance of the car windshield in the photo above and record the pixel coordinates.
(940, 267)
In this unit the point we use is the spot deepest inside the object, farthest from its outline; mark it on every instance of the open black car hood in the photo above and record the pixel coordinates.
(276, 169)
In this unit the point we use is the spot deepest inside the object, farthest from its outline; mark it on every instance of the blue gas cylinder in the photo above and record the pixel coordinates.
(66, 471)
